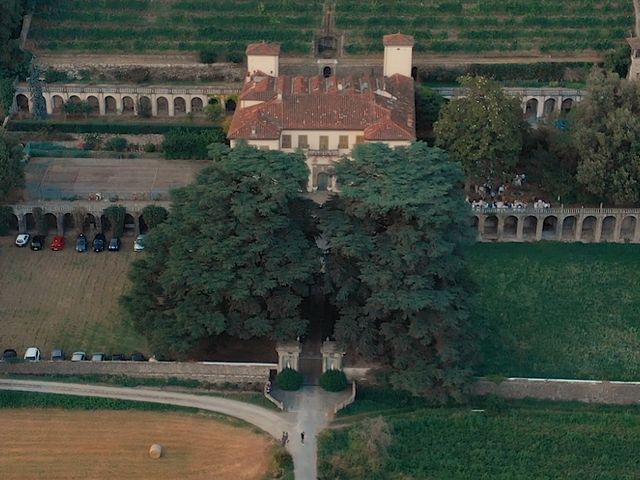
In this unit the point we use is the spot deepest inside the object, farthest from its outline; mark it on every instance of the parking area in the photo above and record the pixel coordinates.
(65, 299)
(127, 179)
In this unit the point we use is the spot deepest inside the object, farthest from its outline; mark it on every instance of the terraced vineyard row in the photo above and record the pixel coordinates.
(464, 26)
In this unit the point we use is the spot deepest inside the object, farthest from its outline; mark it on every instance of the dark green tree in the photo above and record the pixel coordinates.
(396, 269)
(11, 166)
(618, 60)
(7, 219)
(428, 106)
(230, 258)
(38, 219)
(35, 86)
(482, 130)
(606, 135)
(154, 215)
(116, 214)
(185, 144)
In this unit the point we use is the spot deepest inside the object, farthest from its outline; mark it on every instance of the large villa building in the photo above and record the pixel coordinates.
(325, 115)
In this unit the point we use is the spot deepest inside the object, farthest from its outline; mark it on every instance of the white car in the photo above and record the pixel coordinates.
(32, 354)
(22, 240)
(78, 356)
(138, 245)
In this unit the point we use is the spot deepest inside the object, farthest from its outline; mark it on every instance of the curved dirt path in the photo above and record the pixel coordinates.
(274, 423)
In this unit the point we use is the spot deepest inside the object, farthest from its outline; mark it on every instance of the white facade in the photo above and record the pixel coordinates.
(263, 63)
(397, 59)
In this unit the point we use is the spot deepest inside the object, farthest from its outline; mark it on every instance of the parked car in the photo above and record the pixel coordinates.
(137, 357)
(37, 243)
(114, 244)
(138, 245)
(99, 357)
(22, 240)
(57, 243)
(81, 243)
(118, 357)
(78, 356)
(32, 354)
(9, 354)
(57, 354)
(99, 243)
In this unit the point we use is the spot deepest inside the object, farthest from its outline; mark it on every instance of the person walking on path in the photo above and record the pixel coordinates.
(301, 437)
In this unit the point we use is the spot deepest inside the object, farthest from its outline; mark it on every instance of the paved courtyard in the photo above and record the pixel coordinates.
(128, 179)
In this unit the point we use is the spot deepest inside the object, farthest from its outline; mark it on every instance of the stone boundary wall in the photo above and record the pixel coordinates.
(588, 391)
(210, 372)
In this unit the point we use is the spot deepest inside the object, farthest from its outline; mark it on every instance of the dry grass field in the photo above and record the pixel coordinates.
(60, 444)
(64, 299)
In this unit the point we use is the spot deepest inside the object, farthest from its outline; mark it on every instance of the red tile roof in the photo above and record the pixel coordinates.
(398, 39)
(383, 108)
(263, 48)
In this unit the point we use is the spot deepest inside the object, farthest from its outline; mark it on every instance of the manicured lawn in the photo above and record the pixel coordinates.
(526, 440)
(559, 310)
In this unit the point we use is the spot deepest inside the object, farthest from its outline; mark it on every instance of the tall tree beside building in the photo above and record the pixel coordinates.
(606, 134)
(11, 167)
(232, 257)
(482, 130)
(396, 268)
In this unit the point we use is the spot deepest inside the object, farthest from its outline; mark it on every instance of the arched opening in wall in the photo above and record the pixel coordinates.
(179, 106)
(163, 106)
(549, 106)
(490, 227)
(128, 106)
(608, 229)
(588, 232)
(129, 223)
(230, 105)
(105, 223)
(74, 99)
(14, 225)
(529, 227)
(510, 229)
(94, 104)
(110, 106)
(569, 228)
(567, 105)
(143, 224)
(144, 106)
(531, 110)
(550, 228)
(68, 223)
(196, 105)
(628, 229)
(89, 222)
(327, 72)
(23, 103)
(50, 222)
(30, 222)
(57, 104)
(213, 101)
(322, 182)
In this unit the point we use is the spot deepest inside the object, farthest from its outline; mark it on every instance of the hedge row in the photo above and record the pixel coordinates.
(544, 72)
(116, 128)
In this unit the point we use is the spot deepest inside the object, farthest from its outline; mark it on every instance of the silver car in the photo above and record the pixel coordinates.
(22, 240)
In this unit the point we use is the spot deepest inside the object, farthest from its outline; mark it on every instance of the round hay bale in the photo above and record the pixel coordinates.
(155, 451)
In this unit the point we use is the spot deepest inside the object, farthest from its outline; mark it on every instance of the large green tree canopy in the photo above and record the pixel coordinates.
(482, 130)
(396, 234)
(607, 138)
(233, 256)
(11, 167)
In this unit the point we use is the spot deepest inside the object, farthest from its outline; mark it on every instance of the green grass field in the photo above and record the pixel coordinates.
(458, 26)
(559, 310)
(520, 440)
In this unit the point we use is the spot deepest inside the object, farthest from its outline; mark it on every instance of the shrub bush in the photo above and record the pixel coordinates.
(289, 379)
(91, 141)
(149, 147)
(333, 380)
(189, 144)
(234, 57)
(117, 144)
(207, 56)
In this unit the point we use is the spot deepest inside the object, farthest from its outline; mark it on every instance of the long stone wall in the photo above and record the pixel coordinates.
(210, 372)
(589, 225)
